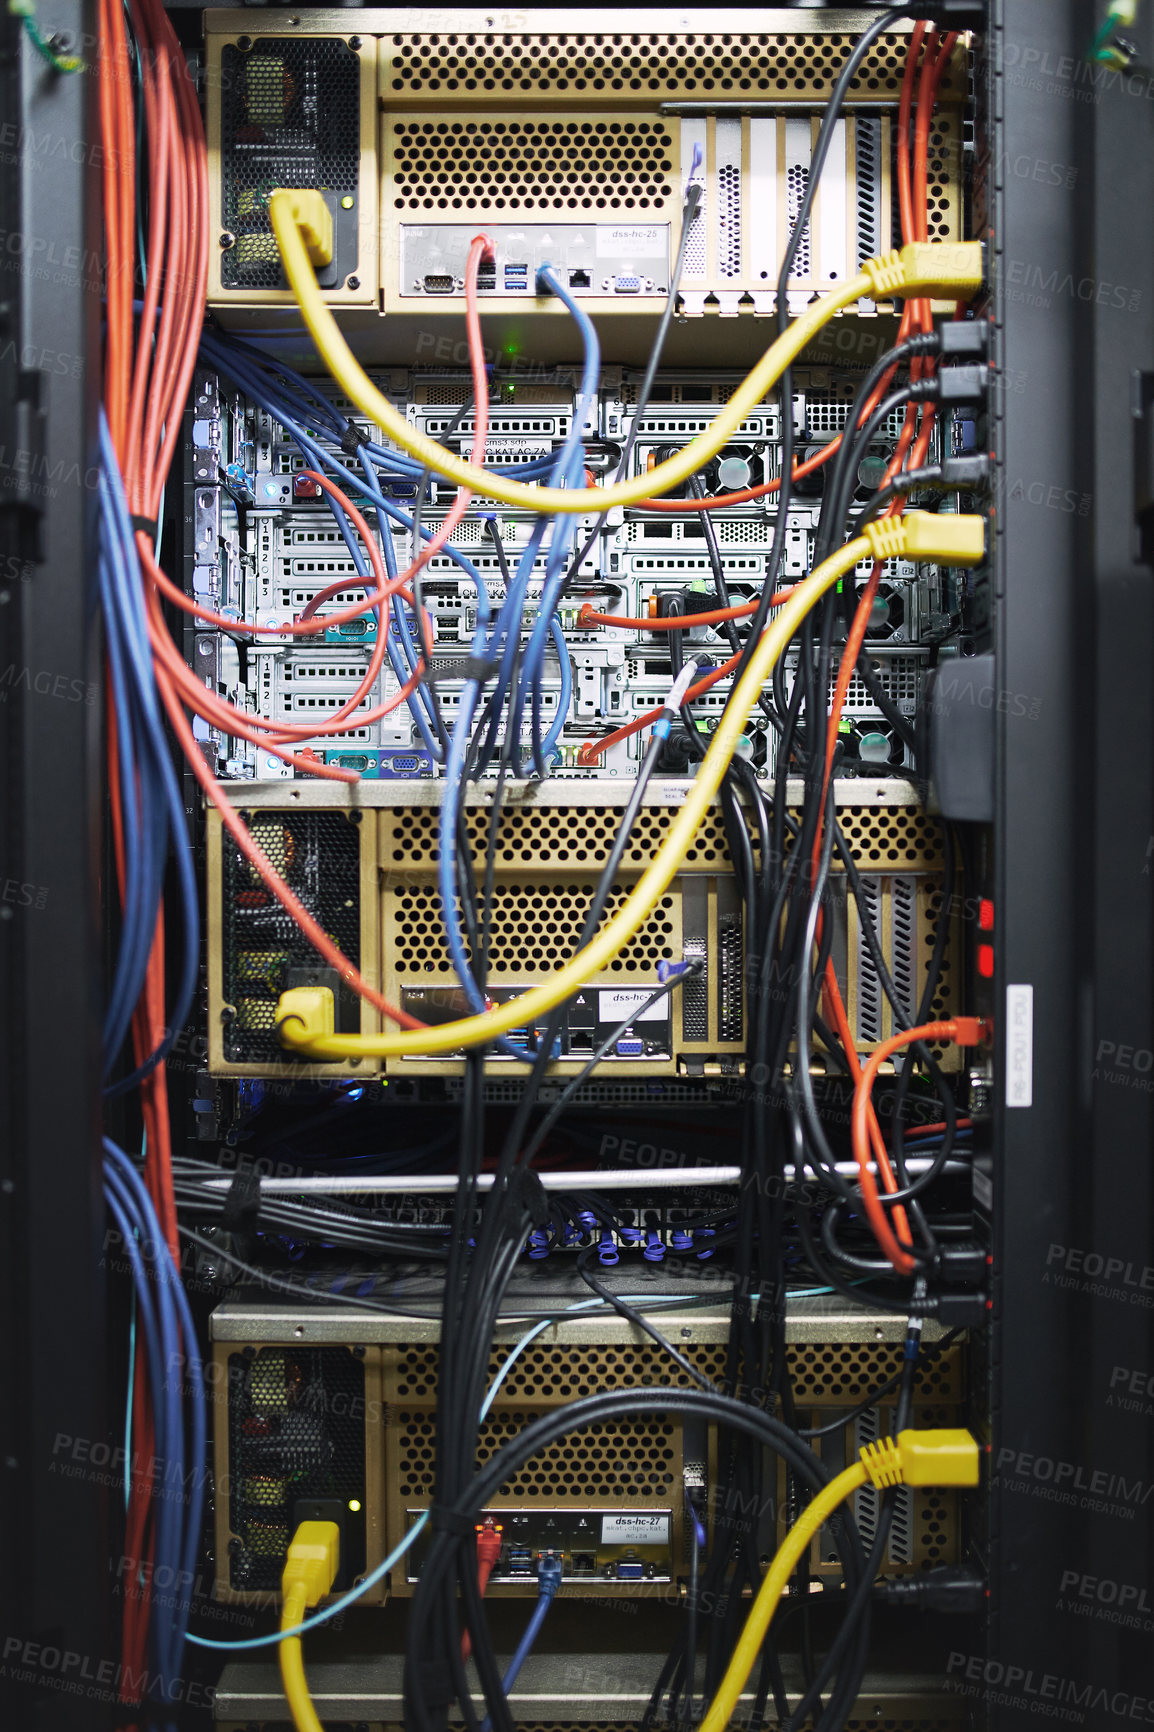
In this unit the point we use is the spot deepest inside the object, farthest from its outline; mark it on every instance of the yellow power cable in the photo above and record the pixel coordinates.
(302, 224)
(305, 1014)
(914, 1458)
(309, 1573)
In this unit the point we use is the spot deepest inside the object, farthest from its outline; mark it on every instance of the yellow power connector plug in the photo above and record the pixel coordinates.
(912, 1458)
(314, 1557)
(310, 1007)
(314, 222)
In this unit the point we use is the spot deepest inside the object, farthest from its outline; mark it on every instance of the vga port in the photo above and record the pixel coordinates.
(627, 285)
(403, 766)
(438, 283)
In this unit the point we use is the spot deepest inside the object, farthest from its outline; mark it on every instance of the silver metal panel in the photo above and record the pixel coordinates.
(317, 796)
(610, 1687)
(831, 211)
(258, 1319)
(563, 20)
(763, 260)
(605, 254)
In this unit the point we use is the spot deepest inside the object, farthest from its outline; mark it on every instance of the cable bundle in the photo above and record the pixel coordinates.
(782, 861)
(167, 1482)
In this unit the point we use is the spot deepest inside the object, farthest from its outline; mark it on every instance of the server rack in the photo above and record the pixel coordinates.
(1073, 861)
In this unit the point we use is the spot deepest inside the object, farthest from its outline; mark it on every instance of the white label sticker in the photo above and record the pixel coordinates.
(1019, 1046)
(616, 1006)
(637, 241)
(634, 1530)
(983, 1188)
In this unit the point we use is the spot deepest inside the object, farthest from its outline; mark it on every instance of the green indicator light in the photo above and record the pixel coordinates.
(845, 727)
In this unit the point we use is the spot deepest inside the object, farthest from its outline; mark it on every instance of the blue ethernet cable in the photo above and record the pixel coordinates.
(232, 351)
(393, 650)
(152, 804)
(257, 389)
(163, 1353)
(321, 459)
(569, 460)
(548, 1583)
(447, 862)
(405, 650)
(182, 1362)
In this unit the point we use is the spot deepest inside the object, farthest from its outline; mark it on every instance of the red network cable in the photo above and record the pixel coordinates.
(963, 1031)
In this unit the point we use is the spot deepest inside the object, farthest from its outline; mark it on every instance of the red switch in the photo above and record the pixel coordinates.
(986, 914)
(986, 961)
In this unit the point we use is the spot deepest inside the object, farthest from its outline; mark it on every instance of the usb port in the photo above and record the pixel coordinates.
(487, 277)
(630, 1047)
(630, 1572)
(516, 276)
(520, 1561)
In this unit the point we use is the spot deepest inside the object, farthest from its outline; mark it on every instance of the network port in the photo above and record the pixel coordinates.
(584, 1563)
(630, 1047)
(438, 283)
(580, 1042)
(580, 280)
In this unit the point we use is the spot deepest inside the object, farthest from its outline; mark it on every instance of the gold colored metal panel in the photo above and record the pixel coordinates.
(221, 1012)
(505, 68)
(832, 1374)
(232, 30)
(225, 1539)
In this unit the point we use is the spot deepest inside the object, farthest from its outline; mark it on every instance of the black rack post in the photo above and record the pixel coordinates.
(55, 1459)
(1071, 1507)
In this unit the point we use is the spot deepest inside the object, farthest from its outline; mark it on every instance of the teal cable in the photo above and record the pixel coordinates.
(323, 1616)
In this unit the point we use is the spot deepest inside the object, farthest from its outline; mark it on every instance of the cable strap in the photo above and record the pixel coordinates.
(353, 438)
(446, 1520)
(242, 1202)
(526, 1189)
